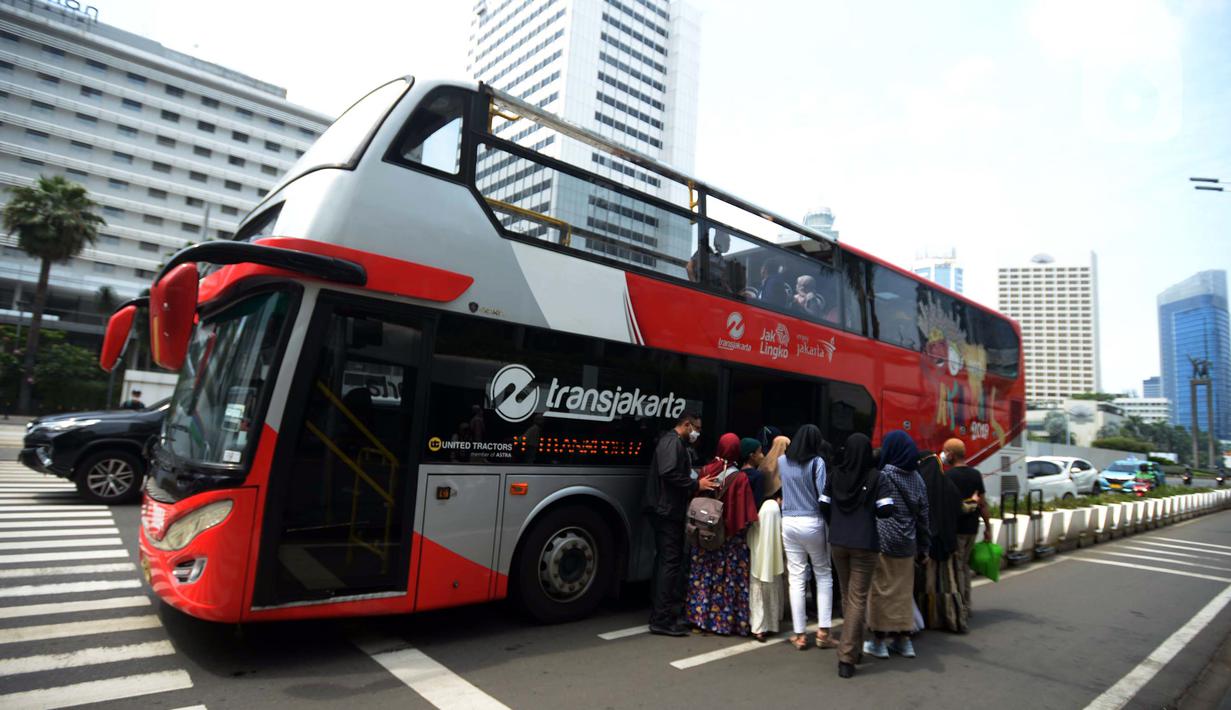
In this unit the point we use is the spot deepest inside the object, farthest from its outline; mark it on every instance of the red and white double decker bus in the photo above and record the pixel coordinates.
(430, 369)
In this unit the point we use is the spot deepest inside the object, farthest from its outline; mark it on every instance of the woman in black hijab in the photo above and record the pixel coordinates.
(850, 508)
(936, 598)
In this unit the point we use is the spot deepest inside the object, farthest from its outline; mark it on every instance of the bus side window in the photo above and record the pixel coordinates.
(433, 136)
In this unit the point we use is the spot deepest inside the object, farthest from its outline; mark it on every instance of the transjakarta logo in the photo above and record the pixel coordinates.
(514, 396)
(735, 329)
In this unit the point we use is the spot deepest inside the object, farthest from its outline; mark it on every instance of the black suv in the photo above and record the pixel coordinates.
(102, 452)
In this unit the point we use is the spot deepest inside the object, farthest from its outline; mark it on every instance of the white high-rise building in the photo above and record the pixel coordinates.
(940, 268)
(625, 69)
(1057, 307)
(172, 148)
(1147, 409)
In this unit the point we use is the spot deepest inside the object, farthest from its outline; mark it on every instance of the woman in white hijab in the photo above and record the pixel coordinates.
(765, 543)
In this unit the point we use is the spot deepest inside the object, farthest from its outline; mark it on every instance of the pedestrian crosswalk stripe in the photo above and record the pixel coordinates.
(50, 608)
(432, 681)
(57, 508)
(72, 523)
(83, 657)
(108, 568)
(94, 585)
(1164, 560)
(33, 485)
(62, 514)
(29, 534)
(1148, 568)
(48, 544)
(61, 556)
(98, 691)
(44, 632)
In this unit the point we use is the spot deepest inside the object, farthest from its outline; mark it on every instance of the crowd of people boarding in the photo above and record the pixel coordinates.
(752, 527)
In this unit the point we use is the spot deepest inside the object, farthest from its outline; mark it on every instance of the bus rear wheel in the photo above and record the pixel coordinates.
(566, 565)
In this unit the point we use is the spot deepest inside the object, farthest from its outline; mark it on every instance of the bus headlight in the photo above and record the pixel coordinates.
(186, 528)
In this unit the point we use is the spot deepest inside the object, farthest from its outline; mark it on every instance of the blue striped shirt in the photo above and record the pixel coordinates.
(801, 497)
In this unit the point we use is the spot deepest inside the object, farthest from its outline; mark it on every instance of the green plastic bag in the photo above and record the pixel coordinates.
(985, 559)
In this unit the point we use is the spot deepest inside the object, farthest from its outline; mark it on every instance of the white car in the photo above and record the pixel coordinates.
(1050, 477)
(1084, 474)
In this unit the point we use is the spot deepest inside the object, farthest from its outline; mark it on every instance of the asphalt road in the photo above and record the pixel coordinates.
(1057, 634)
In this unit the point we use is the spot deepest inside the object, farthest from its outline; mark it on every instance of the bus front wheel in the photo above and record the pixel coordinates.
(566, 564)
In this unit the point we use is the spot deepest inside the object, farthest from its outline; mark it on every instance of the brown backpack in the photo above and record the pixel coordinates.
(704, 526)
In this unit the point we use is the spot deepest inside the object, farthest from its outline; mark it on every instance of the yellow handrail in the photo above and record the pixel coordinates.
(566, 229)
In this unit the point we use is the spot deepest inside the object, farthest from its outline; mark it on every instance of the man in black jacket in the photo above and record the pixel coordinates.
(669, 486)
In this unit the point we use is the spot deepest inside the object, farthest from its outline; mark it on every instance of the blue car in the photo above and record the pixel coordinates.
(1129, 475)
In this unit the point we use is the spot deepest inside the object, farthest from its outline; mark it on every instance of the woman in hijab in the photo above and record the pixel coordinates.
(851, 513)
(902, 535)
(940, 601)
(765, 544)
(718, 579)
(803, 533)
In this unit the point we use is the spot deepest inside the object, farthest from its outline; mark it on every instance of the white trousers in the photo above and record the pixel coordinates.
(806, 543)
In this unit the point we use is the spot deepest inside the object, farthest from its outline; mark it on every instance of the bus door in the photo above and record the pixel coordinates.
(339, 513)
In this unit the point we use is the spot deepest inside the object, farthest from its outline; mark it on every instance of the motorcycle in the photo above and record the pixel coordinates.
(1188, 477)
(1220, 479)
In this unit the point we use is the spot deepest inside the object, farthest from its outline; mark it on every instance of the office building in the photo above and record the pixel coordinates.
(1057, 307)
(626, 69)
(1147, 409)
(173, 149)
(940, 268)
(1193, 324)
(1152, 387)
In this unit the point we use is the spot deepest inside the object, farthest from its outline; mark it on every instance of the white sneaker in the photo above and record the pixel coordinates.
(875, 648)
(903, 647)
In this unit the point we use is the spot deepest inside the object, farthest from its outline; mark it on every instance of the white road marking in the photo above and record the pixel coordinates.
(84, 657)
(73, 569)
(737, 649)
(435, 683)
(625, 633)
(40, 512)
(1119, 695)
(192, 707)
(1147, 568)
(57, 524)
(1156, 551)
(56, 516)
(57, 507)
(51, 544)
(29, 534)
(16, 612)
(1161, 559)
(1190, 542)
(35, 590)
(36, 487)
(77, 628)
(6, 500)
(60, 556)
(98, 691)
(1146, 541)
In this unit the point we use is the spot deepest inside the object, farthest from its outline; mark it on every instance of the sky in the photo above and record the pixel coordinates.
(1000, 129)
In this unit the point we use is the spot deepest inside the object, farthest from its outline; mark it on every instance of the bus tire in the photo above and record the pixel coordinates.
(566, 565)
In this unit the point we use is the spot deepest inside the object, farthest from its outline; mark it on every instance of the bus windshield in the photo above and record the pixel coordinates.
(231, 361)
(342, 144)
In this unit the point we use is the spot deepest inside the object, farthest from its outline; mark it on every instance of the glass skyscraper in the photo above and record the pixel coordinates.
(1193, 323)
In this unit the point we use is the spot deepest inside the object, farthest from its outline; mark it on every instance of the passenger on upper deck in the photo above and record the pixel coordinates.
(807, 299)
(774, 289)
(722, 273)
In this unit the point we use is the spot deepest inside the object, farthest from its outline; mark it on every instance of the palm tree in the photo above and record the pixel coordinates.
(54, 220)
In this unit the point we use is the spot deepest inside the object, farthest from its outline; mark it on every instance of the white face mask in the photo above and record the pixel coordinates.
(693, 436)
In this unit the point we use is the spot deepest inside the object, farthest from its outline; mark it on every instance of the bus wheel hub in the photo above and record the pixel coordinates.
(567, 564)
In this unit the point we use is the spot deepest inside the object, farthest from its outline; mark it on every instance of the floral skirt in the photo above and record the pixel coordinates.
(718, 588)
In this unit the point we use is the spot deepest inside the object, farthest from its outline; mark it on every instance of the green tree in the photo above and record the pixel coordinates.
(54, 220)
(1057, 427)
(1095, 396)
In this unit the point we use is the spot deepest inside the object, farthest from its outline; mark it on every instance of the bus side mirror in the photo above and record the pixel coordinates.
(119, 326)
(173, 310)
